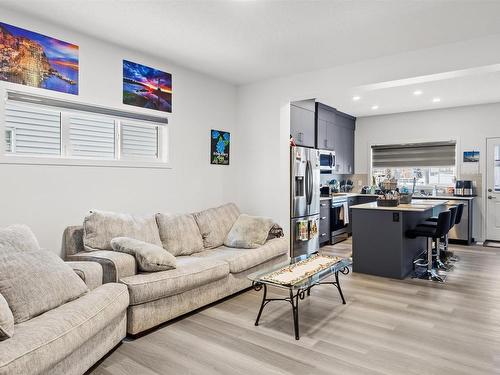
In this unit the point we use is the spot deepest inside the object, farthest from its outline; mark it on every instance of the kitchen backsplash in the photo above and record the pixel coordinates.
(359, 180)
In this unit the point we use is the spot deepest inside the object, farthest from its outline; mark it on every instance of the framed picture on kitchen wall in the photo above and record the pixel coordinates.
(146, 87)
(219, 147)
(37, 60)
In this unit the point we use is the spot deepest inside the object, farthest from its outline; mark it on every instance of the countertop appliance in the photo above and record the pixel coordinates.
(339, 218)
(464, 188)
(305, 200)
(327, 161)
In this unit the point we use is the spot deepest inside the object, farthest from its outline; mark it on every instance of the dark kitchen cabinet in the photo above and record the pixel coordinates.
(360, 199)
(344, 143)
(325, 127)
(335, 131)
(302, 122)
(324, 221)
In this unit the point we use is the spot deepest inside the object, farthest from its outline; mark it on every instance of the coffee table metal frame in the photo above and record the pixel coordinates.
(299, 290)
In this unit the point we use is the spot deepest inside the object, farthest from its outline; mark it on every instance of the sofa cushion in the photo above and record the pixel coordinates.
(240, 260)
(179, 234)
(215, 224)
(249, 232)
(40, 343)
(191, 272)
(37, 281)
(17, 237)
(100, 227)
(6, 320)
(149, 257)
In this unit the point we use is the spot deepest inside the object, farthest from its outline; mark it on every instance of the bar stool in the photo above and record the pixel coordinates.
(432, 233)
(446, 254)
(432, 222)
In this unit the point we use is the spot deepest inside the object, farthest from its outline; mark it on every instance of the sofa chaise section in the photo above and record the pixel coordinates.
(70, 338)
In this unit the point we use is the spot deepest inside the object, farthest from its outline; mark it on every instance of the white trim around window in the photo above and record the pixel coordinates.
(86, 138)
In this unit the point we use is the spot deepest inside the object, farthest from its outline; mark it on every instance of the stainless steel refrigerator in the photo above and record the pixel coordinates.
(305, 194)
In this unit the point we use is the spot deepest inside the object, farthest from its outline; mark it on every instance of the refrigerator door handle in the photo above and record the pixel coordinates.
(309, 183)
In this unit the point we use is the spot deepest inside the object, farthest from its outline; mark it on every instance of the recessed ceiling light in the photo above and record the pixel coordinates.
(417, 92)
(356, 98)
(374, 107)
(436, 100)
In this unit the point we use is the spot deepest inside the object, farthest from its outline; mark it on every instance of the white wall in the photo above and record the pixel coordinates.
(262, 160)
(48, 198)
(469, 126)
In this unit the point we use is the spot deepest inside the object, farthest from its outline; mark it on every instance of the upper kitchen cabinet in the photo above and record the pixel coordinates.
(302, 122)
(335, 131)
(325, 121)
(345, 127)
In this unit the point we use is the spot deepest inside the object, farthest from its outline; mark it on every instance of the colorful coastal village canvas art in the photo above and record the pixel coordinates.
(37, 60)
(146, 87)
(219, 147)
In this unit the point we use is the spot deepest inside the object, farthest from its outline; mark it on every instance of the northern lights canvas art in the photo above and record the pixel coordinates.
(146, 87)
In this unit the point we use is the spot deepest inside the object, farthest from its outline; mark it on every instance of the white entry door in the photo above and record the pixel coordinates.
(493, 189)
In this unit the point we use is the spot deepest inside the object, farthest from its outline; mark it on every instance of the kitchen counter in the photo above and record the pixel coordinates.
(452, 197)
(416, 205)
(379, 243)
(349, 195)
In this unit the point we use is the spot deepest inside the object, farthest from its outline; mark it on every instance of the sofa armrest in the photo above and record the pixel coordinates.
(115, 265)
(275, 232)
(89, 272)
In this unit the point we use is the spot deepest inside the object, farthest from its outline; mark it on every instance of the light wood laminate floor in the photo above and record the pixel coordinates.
(386, 327)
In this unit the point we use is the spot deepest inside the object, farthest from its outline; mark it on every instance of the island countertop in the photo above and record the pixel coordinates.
(416, 205)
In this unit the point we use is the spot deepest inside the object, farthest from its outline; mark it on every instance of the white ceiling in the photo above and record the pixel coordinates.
(453, 89)
(242, 41)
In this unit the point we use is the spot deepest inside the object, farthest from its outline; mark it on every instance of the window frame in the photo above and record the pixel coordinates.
(12, 140)
(458, 147)
(65, 159)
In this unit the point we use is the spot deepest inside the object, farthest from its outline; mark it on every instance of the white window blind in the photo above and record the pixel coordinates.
(8, 140)
(431, 154)
(91, 136)
(37, 130)
(139, 141)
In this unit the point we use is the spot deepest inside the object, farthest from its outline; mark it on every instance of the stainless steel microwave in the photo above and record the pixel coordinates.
(326, 160)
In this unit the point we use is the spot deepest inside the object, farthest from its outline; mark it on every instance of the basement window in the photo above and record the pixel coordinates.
(46, 131)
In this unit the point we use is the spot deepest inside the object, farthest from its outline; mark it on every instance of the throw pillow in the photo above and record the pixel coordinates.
(17, 237)
(34, 282)
(215, 224)
(100, 227)
(149, 257)
(179, 234)
(249, 232)
(6, 320)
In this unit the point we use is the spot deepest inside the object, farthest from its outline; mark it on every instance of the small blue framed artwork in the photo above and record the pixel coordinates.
(471, 156)
(219, 147)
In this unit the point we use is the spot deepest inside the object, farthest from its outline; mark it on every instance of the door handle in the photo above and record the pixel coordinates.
(323, 218)
(490, 190)
(491, 197)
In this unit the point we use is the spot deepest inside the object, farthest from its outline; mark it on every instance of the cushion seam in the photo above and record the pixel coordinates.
(175, 277)
(62, 334)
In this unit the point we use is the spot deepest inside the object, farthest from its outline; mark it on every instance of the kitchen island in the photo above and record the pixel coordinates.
(379, 244)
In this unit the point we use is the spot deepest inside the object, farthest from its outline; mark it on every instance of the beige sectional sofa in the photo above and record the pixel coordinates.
(212, 272)
(66, 339)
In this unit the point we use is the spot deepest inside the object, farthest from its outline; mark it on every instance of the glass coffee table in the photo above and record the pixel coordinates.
(279, 276)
